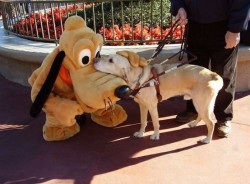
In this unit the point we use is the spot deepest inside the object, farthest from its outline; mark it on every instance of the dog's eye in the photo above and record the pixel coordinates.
(111, 60)
(97, 55)
(84, 57)
(97, 52)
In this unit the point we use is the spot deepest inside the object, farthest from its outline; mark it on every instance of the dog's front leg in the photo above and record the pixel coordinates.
(155, 118)
(144, 114)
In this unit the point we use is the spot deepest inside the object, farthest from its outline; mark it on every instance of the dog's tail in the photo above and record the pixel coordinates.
(216, 81)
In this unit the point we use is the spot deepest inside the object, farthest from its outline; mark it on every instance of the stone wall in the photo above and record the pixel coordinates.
(18, 64)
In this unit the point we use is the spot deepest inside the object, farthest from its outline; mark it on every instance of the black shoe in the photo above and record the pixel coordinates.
(186, 117)
(223, 128)
(81, 119)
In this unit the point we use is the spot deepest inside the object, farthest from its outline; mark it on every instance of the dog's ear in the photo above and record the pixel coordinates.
(134, 59)
(125, 72)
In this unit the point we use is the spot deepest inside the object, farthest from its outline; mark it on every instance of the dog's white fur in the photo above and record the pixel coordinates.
(193, 82)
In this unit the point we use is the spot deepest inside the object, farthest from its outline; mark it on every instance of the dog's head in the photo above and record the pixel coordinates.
(120, 63)
(125, 64)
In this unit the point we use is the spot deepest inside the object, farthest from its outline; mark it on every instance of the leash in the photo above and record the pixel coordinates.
(154, 80)
(124, 92)
(164, 41)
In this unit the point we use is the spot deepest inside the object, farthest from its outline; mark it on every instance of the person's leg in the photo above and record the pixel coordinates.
(223, 62)
(225, 65)
(195, 40)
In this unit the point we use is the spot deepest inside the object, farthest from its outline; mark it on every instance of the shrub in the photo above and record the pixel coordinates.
(127, 13)
(121, 22)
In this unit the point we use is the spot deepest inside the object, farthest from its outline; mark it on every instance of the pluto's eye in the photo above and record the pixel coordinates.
(85, 60)
(111, 60)
(84, 57)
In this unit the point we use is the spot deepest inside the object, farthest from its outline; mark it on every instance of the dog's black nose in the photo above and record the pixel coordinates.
(96, 60)
(123, 92)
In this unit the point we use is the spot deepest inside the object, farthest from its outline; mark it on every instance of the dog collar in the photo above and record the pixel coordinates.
(154, 81)
(142, 77)
(65, 76)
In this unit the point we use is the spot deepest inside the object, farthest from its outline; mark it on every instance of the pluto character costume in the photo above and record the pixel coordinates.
(67, 84)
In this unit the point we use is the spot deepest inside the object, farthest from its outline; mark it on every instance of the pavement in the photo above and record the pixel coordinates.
(99, 155)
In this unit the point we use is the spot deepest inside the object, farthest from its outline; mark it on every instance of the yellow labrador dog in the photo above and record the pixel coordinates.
(193, 82)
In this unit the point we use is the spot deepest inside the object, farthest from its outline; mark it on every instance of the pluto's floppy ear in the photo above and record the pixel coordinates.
(134, 59)
(47, 85)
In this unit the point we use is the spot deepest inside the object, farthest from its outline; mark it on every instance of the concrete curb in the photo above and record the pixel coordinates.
(20, 57)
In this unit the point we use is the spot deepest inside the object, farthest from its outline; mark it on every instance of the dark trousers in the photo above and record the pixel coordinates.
(207, 42)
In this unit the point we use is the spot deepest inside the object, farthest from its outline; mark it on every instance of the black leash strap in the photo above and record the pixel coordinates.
(134, 92)
(165, 41)
(183, 43)
(47, 85)
(181, 53)
(124, 92)
(183, 48)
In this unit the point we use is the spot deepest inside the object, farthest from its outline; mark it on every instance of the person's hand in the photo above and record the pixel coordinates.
(182, 16)
(232, 39)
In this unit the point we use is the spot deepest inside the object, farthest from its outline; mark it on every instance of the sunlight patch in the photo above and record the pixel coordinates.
(123, 126)
(120, 139)
(4, 127)
(166, 118)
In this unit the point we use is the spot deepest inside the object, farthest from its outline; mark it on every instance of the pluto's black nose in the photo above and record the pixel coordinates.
(123, 92)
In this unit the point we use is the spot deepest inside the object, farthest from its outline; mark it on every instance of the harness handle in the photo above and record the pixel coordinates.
(127, 91)
(183, 43)
(164, 41)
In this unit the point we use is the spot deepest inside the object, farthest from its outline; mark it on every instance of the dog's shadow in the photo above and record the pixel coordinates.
(96, 150)
(27, 158)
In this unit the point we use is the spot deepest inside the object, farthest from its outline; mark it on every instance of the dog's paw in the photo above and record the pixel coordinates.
(192, 124)
(205, 140)
(155, 137)
(138, 134)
